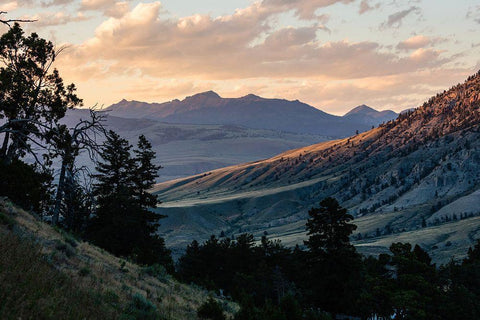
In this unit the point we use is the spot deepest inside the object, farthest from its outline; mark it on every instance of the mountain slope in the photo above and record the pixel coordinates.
(47, 274)
(250, 111)
(400, 174)
(184, 149)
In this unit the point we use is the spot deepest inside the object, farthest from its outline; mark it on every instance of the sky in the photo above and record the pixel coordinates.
(332, 54)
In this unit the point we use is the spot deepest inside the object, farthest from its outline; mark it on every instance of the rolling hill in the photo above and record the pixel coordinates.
(187, 149)
(408, 177)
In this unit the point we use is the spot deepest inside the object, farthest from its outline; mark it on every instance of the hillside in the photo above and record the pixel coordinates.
(393, 179)
(251, 111)
(46, 273)
(187, 149)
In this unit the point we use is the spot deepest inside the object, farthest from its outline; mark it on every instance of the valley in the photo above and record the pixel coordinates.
(420, 169)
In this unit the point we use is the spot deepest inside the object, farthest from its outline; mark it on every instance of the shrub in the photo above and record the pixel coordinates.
(7, 221)
(211, 309)
(140, 309)
(84, 272)
(157, 271)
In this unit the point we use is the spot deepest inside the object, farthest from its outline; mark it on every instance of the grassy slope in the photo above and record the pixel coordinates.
(47, 274)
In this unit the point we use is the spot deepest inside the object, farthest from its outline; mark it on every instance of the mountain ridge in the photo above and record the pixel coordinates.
(398, 174)
(250, 111)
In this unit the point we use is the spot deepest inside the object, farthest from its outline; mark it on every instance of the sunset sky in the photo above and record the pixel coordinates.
(331, 54)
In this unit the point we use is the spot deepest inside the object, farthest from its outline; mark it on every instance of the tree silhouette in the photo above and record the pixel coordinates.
(32, 97)
(123, 223)
(334, 267)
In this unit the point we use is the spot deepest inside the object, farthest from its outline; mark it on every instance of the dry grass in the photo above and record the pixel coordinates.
(90, 269)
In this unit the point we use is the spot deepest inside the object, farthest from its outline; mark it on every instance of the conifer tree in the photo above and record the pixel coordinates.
(334, 266)
(123, 223)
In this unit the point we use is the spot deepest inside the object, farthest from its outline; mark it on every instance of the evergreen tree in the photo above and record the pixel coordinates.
(329, 228)
(123, 223)
(335, 268)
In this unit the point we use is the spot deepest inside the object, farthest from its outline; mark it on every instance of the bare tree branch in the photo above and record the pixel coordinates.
(8, 22)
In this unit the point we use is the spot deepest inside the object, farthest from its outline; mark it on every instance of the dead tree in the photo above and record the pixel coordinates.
(68, 143)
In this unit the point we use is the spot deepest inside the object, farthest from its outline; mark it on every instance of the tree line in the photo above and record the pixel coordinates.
(110, 208)
(330, 279)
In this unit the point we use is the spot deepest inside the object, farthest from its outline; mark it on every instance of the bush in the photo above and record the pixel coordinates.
(7, 221)
(65, 248)
(157, 271)
(22, 184)
(140, 309)
(211, 309)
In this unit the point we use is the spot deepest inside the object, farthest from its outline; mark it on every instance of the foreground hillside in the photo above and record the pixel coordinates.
(418, 171)
(47, 274)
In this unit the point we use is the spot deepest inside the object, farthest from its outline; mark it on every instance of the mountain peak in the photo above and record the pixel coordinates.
(361, 109)
(251, 96)
(204, 95)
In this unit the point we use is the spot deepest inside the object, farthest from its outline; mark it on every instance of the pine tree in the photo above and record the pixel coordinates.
(329, 228)
(334, 265)
(124, 224)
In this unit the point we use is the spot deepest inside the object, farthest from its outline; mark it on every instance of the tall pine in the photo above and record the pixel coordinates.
(124, 223)
(334, 278)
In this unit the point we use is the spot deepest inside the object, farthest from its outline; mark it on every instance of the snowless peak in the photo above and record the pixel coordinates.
(362, 109)
(251, 96)
(204, 95)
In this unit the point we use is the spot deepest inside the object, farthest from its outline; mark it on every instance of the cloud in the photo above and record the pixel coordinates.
(52, 3)
(110, 8)
(395, 20)
(365, 6)
(414, 42)
(47, 19)
(8, 6)
(474, 13)
(96, 4)
(141, 53)
(119, 9)
(140, 43)
(304, 9)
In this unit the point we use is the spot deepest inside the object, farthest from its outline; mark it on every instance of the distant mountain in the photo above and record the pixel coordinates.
(251, 111)
(415, 178)
(365, 114)
(187, 149)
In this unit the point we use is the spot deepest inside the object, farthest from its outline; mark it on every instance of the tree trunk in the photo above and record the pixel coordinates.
(59, 195)
(3, 152)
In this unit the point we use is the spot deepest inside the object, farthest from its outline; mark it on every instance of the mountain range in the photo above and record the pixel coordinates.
(205, 132)
(254, 112)
(415, 178)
